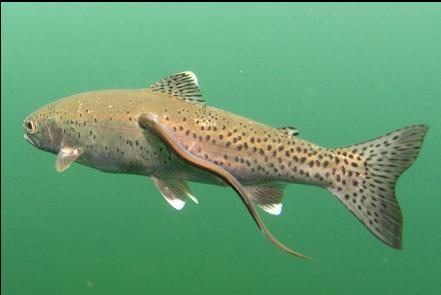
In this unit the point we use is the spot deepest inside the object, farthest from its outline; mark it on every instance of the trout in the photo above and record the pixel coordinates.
(168, 133)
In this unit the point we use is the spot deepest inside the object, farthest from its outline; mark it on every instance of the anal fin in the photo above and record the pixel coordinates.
(268, 196)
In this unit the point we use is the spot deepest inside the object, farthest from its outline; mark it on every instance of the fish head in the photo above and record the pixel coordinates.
(41, 130)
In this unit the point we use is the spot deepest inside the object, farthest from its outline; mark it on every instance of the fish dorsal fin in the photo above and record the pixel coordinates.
(174, 192)
(268, 196)
(290, 131)
(182, 85)
(66, 157)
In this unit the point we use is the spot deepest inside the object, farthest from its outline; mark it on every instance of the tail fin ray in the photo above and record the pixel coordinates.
(367, 177)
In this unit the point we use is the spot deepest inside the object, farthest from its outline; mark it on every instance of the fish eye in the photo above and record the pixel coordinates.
(31, 127)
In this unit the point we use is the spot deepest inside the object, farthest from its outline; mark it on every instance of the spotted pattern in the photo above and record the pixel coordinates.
(249, 150)
(104, 124)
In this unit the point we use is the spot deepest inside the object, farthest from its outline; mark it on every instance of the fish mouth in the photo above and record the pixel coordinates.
(29, 139)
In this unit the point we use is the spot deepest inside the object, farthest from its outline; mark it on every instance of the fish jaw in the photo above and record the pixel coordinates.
(30, 140)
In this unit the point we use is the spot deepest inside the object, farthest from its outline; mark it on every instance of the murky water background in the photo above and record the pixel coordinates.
(340, 73)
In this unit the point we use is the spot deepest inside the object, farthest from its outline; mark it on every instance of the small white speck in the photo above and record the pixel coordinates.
(89, 283)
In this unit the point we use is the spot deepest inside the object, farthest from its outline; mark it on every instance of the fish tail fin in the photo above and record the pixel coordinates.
(365, 176)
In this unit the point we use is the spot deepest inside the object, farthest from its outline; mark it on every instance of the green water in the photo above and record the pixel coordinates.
(340, 73)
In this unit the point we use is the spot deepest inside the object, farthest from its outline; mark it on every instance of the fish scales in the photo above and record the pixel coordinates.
(106, 126)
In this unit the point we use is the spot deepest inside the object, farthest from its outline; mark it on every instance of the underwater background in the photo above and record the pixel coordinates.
(340, 73)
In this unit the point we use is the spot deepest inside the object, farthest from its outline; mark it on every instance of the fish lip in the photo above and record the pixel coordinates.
(28, 139)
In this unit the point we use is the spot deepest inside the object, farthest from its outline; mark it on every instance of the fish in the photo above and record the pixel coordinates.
(169, 133)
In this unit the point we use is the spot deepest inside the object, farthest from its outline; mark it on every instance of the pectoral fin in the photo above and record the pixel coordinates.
(66, 157)
(152, 123)
(174, 192)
